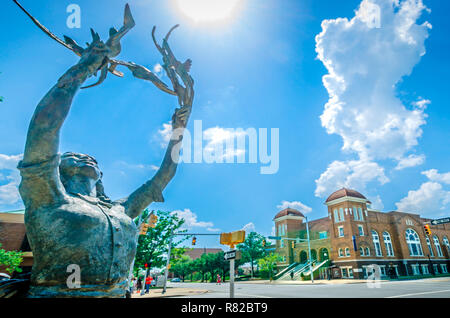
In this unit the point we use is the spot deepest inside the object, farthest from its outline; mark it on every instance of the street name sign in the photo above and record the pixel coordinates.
(278, 238)
(230, 255)
(440, 221)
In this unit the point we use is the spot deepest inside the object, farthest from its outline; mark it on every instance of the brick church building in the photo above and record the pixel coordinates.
(353, 237)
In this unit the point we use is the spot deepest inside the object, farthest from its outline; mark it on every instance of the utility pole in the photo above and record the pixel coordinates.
(166, 274)
(309, 249)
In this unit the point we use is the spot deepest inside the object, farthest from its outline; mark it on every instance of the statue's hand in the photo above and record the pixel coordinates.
(180, 117)
(94, 57)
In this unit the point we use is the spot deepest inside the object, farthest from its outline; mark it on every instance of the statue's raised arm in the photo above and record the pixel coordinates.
(152, 190)
(41, 184)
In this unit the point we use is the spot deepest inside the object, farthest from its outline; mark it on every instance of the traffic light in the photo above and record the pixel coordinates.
(144, 229)
(146, 265)
(194, 240)
(153, 220)
(293, 244)
(427, 229)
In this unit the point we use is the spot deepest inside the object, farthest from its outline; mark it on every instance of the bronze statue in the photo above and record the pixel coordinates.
(68, 217)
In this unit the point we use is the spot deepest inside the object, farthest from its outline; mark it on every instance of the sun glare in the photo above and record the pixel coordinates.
(207, 10)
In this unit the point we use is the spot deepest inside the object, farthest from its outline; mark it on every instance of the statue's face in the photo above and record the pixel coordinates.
(76, 164)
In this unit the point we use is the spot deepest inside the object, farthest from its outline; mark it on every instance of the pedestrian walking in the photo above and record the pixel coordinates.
(148, 282)
(139, 285)
(292, 275)
(131, 285)
(219, 280)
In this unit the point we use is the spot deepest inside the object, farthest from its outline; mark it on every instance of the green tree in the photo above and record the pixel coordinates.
(181, 266)
(252, 249)
(269, 263)
(212, 264)
(11, 260)
(200, 267)
(153, 247)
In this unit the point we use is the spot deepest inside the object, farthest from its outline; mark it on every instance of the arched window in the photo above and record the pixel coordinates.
(347, 251)
(341, 253)
(438, 246)
(376, 243)
(446, 243)
(429, 247)
(367, 251)
(361, 251)
(413, 241)
(388, 243)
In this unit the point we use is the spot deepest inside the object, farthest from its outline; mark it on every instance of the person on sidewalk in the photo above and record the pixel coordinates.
(292, 275)
(148, 282)
(139, 285)
(218, 280)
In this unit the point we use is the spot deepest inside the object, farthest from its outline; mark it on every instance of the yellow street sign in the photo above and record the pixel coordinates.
(153, 220)
(233, 238)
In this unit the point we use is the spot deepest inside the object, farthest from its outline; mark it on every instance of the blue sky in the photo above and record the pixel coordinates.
(384, 131)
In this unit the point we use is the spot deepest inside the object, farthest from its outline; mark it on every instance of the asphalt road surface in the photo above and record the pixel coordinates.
(426, 288)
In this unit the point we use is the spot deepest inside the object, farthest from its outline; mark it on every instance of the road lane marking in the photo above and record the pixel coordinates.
(416, 294)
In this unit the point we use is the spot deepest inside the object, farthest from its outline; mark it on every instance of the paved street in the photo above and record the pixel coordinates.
(426, 288)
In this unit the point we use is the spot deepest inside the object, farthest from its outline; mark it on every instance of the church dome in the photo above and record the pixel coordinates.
(344, 192)
(288, 211)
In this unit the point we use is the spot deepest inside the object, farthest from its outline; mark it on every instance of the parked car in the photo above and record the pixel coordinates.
(4, 276)
(176, 280)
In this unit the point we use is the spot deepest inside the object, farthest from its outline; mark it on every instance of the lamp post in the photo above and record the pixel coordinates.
(309, 249)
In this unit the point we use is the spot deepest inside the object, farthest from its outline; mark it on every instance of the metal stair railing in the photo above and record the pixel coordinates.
(315, 267)
(296, 269)
(278, 275)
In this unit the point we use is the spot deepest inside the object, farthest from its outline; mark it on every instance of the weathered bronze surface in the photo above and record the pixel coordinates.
(68, 217)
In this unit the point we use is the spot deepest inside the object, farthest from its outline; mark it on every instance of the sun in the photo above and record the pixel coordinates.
(207, 10)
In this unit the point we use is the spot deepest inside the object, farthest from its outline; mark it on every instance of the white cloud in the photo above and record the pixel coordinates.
(190, 219)
(410, 161)
(157, 68)
(249, 227)
(294, 205)
(9, 193)
(430, 198)
(136, 166)
(165, 133)
(364, 65)
(377, 204)
(353, 174)
(434, 175)
(221, 137)
(210, 229)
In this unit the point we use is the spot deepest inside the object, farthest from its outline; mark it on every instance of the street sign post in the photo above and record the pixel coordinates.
(440, 221)
(277, 238)
(232, 278)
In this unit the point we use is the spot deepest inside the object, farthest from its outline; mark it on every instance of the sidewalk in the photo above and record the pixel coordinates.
(171, 292)
(316, 282)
